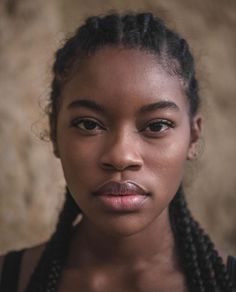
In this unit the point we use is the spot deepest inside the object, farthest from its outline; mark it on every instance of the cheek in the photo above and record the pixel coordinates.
(79, 160)
(166, 162)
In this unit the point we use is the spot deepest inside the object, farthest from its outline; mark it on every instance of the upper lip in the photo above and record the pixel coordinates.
(121, 188)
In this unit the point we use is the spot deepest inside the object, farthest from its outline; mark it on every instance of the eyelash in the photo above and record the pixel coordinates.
(161, 122)
(76, 122)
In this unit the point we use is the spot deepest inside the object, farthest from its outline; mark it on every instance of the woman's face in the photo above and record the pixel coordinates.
(123, 119)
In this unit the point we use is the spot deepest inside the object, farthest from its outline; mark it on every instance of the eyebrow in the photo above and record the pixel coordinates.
(163, 104)
(92, 105)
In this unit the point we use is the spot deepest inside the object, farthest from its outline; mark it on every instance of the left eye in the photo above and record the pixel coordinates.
(159, 126)
(86, 124)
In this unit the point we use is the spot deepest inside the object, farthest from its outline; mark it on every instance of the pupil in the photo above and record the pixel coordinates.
(156, 127)
(89, 125)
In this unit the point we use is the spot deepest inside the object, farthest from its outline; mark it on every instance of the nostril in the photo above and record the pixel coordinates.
(108, 166)
(135, 167)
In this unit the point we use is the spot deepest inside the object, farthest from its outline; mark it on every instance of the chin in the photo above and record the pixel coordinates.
(124, 225)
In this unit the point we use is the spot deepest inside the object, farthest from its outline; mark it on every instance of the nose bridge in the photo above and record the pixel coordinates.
(122, 150)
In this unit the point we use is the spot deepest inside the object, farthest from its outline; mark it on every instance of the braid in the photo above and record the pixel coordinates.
(205, 246)
(54, 255)
(181, 222)
(203, 267)
(221, 272)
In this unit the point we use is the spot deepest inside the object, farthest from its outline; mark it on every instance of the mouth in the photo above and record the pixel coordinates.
(122, 196)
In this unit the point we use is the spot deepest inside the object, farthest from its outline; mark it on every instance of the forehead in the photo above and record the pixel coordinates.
(125, 76)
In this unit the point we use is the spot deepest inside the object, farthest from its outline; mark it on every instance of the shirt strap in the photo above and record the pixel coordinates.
(231, 268)
(11, 271)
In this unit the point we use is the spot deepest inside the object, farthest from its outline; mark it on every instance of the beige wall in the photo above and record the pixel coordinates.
(31, 183)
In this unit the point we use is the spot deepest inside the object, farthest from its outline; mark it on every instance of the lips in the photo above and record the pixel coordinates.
(121, 188)
(121, 196)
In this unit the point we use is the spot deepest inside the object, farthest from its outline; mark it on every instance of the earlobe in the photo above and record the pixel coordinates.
(53, 138)
(55, 149)
(195, 145)
(56, 153)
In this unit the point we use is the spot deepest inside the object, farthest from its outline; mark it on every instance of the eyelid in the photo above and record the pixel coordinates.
(167, 122)
(77, 120)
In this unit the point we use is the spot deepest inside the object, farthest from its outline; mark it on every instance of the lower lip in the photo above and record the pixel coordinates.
(123, 203)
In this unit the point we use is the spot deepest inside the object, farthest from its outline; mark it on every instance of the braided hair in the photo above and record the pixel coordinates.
(203, 267)
(47, 272)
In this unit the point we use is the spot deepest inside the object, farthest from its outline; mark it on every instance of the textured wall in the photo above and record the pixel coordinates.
(29, 190)
(31, 181)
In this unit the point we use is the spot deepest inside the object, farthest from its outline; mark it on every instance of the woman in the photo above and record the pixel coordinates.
(124, 119)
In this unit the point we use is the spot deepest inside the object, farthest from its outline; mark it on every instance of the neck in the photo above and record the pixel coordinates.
(154, 243)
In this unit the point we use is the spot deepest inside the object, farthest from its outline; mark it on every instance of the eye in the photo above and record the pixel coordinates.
(158, 127)
(87, 125)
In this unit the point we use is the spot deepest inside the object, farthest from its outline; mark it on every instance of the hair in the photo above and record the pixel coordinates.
(202, 266)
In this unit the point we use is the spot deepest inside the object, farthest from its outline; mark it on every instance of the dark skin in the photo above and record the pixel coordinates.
(127, 140)
(134, 251)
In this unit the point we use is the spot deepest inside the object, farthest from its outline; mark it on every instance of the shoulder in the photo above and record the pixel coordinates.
(231, 268)
(224, 256)
(230, 263)
(29, 261)
(1, 264)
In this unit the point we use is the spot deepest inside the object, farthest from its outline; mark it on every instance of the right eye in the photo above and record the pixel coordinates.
(87, 125)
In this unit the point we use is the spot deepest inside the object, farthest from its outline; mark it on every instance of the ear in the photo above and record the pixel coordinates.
(55, 150)
(196, 130)
(55, 146)
(53, 136)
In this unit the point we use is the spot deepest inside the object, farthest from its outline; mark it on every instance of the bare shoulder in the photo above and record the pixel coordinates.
(223, 255)
(30, 259)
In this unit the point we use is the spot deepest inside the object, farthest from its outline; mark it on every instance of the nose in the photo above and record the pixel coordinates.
(121, 152)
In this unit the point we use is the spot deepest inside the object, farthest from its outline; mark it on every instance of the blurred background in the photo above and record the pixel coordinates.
(31, 181)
